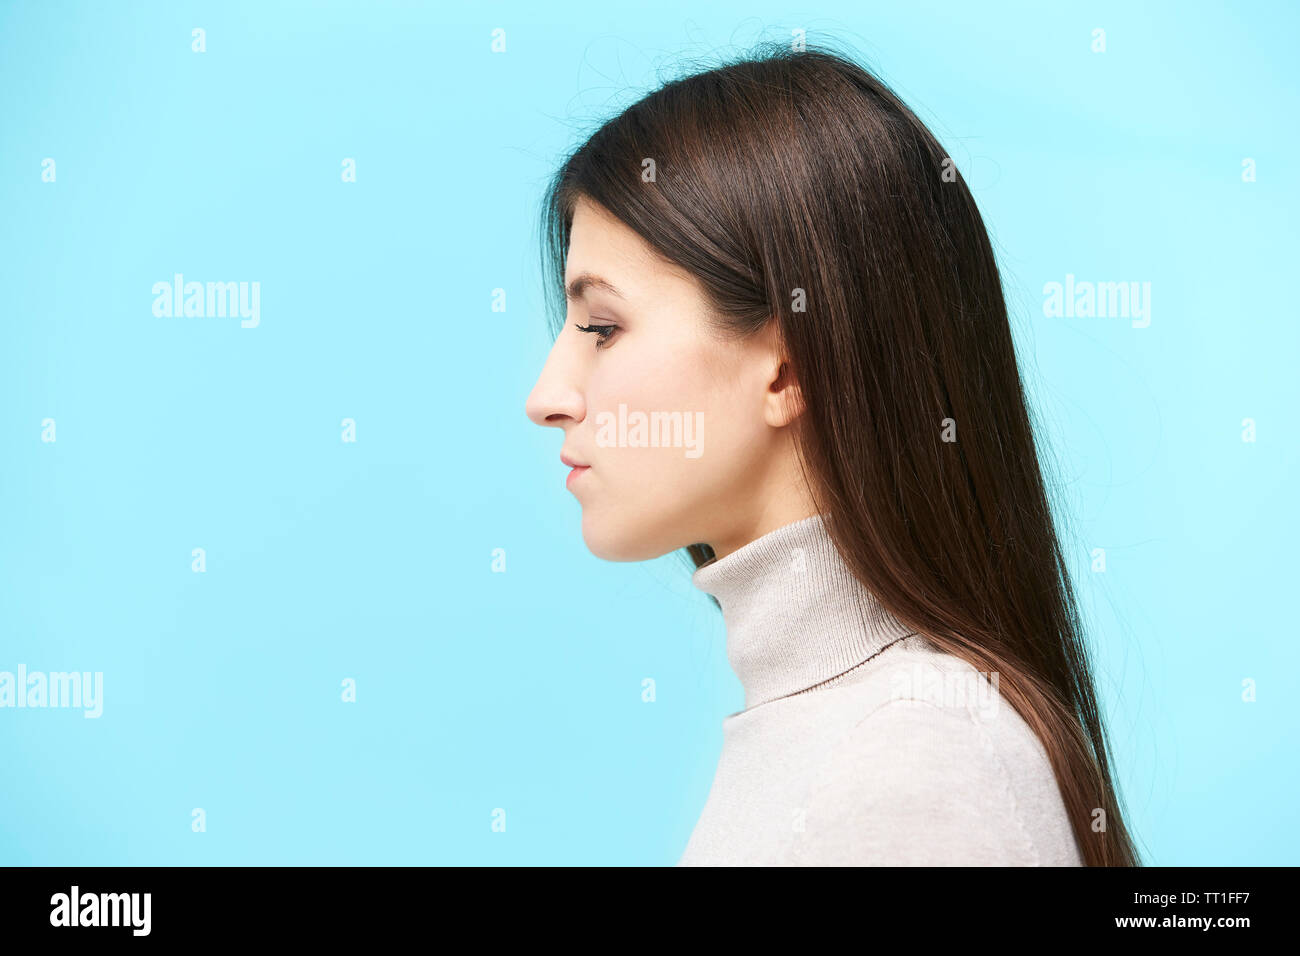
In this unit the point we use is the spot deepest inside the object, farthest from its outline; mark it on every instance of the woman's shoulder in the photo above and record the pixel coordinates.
(937, 768)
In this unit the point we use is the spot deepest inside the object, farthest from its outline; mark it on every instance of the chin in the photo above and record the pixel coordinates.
(615, 541)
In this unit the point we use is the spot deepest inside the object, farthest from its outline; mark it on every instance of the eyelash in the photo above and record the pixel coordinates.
(604, 331)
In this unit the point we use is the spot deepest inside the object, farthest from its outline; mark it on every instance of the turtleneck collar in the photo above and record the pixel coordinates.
(796, 616)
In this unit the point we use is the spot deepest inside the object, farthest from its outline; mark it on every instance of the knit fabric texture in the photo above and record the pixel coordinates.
(861, 743)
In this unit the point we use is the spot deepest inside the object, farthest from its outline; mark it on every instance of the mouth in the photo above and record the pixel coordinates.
(577, 470)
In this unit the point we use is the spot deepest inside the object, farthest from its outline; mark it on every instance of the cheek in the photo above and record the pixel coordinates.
(688, 384)
(649, 376)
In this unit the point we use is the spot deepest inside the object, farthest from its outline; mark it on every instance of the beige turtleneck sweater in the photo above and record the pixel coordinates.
(861, 743)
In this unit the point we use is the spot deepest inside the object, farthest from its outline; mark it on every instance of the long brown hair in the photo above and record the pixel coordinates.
(797, 187)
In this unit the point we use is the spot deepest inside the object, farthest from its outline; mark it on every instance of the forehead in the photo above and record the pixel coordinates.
(597, 238)
(601, 245)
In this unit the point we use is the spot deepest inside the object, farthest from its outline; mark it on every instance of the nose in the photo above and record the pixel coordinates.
(556, 400)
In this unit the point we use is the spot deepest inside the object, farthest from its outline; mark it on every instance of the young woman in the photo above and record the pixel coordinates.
(786, 350)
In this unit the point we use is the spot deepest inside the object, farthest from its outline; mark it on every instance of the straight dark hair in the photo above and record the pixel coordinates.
(798, 188)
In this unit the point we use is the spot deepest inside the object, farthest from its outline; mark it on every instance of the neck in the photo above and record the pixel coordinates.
(796, 616)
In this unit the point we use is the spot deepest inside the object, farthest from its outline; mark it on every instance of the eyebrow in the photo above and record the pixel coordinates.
(586, 280)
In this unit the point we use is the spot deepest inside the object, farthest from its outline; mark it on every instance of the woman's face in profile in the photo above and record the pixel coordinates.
(653, 371)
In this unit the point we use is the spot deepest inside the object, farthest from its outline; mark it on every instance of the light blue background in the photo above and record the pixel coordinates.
(372, 560)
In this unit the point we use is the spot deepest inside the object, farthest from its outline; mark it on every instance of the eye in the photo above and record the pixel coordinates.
(604, 331)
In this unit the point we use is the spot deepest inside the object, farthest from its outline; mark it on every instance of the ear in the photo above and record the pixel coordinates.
(784, 400)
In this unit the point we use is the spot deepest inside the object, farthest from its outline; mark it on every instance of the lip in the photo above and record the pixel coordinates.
(577, 469)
